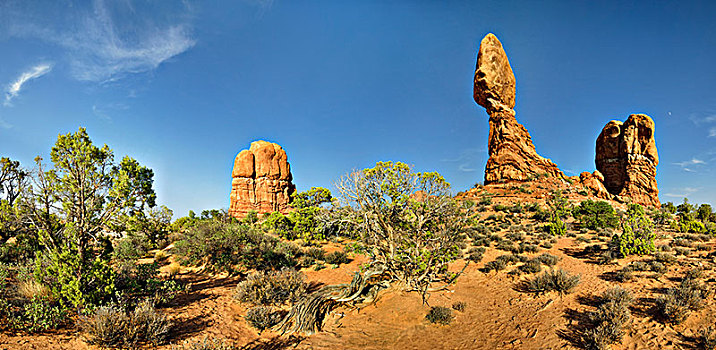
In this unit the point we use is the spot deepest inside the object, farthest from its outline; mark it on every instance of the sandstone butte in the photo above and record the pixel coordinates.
(261, 180)
(626, 156)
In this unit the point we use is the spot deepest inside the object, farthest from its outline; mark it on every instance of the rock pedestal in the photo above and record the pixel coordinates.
(512, 154)
(261, 180)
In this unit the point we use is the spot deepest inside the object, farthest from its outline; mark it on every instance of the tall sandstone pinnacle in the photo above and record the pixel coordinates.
(626, 155)
(261, 180)
(512, 154)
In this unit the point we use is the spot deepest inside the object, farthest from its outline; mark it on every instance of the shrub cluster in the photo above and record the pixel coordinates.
(677, 304)
(555, 280)
(606, 324)
(231, 247)
(271, 288)
(440, 314)
(111, 326)
(595, 215)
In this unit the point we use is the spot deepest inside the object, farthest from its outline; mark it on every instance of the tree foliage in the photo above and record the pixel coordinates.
(409, 221)
(595, 215)
(73, 205)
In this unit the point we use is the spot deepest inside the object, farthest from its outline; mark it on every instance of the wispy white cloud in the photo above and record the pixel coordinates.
(682, 192)
(467, 160)
(688, 165)
(712, 132)
(4, 124)
(14, 88)
(107, 40)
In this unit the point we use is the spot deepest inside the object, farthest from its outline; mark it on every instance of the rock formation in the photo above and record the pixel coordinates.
(512, 154)
(261, 180)
(626, 155)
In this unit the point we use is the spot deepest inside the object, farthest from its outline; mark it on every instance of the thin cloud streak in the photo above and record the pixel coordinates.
(688, 164)
(107, 40)
(13, 90)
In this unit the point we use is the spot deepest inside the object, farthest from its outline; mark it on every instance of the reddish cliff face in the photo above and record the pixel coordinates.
(626, 155)
(261, 180)
(512, 155)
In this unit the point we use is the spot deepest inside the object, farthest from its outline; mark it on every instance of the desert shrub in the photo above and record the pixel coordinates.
(664, 258)
(440, 314)
(679, 301)
(205, 344)
(147, 325)
(657, 267)
(142, 281)
(548, 259)
(639, 265)
(111, 326)
(271, 288)
(682, 251)
(683, 242)
(336, 258)
(475, 254)
(707, 338)
(531, 266)
(262, 317)
(624, 275)
(316, 253)
(528, 248)
(230, 247)
(560, 281)
(496, 265)
(507, 246)
(637, 235)
(514, 236)
(606, 324)
(459, 306)
(106, 327)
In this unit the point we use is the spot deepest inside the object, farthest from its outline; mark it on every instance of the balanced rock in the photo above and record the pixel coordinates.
(626, 155)
(261, 180)
(512, 154)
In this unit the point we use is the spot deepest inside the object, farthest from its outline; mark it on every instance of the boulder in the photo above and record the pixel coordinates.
(261, 180)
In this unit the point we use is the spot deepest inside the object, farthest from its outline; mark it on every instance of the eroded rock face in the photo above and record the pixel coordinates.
(261, 180)
(512, 154)
(626, 155)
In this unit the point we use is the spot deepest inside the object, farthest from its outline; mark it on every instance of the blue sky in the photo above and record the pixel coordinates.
(184, 86)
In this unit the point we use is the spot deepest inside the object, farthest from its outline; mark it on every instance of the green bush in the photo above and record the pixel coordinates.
(440, 314)
(595, 215)
(271, 288)
(637, 235)
(233, 247)
(692, 226)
